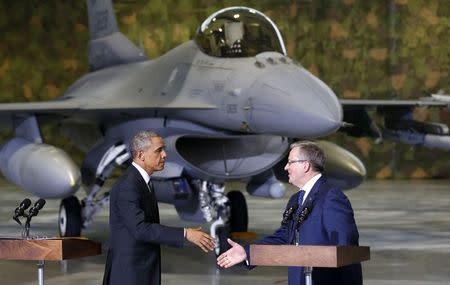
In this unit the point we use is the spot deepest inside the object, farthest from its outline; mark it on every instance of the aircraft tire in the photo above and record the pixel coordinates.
(238, 212)
(69, 218)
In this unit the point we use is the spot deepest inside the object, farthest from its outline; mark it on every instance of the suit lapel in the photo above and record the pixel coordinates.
(150, 203)
(308, 201)
(314, 191)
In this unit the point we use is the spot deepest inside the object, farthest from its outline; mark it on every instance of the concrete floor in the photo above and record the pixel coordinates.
(406, 224)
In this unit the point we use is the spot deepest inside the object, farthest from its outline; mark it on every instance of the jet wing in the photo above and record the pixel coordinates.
(39, 107)
(399, 124)
(434, 101)
(52, 110)
(71, 106)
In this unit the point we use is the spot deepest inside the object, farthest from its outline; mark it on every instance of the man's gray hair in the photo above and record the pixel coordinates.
(311, 152)
(141, 141)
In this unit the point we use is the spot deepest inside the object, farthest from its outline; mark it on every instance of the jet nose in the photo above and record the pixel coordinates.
(290, 101)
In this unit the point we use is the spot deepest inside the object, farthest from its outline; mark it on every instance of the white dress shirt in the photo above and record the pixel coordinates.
(143, 173)
(309, 185)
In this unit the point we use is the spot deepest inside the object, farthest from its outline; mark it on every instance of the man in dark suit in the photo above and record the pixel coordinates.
(330, 220)
(134, 256)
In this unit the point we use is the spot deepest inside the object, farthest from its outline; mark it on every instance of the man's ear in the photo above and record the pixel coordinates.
(307, 166)
(140, 155)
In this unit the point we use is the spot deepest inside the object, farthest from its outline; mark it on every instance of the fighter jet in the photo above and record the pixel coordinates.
(227, 103)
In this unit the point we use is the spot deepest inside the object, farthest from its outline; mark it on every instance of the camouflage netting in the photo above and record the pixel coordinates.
(361, 49)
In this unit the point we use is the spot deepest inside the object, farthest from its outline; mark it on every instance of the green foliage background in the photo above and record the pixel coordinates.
(361, 49)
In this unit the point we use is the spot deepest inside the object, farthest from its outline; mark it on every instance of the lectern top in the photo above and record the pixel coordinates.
(47, 249)
(314, 256)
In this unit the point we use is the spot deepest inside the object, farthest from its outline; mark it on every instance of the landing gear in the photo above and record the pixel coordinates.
(237, 221)
(74, 215)
(69, 218)
(228, 213)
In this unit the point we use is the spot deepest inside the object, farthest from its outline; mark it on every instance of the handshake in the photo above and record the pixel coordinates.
(236, 254)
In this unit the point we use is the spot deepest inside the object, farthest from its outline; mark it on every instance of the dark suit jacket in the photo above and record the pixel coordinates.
(135, 233)
(331, 222)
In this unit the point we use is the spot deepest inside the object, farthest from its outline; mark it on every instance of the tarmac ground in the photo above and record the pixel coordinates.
(405, 223)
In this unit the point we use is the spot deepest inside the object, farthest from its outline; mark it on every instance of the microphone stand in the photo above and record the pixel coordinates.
(40, 263)
(302, 217)
(40, 266)
(26, 235)
(26, 229)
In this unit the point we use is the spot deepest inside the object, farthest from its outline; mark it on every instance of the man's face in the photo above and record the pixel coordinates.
(153, 158)
(296, 167)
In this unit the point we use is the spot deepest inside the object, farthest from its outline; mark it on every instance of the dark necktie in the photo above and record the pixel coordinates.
(150, 186)
(154, 200)
(301, 193)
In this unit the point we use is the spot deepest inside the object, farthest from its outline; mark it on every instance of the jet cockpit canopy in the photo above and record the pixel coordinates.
(238, 32)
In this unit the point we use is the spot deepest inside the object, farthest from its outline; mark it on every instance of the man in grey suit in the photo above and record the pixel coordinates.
(134, 256)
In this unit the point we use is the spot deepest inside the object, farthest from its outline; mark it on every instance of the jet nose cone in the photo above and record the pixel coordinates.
(290, 101)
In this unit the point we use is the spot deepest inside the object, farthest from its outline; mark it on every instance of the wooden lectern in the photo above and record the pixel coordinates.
(47, 249)
(307, 256)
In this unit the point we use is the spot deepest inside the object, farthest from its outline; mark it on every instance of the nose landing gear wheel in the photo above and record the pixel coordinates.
(69, 218)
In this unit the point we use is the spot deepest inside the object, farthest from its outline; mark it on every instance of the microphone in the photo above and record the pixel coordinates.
(304, 213)
(287, 215)
(35, 209)
(19, 212)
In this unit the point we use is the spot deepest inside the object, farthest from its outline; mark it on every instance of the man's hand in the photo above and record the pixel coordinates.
(201, 239)
(236, 254)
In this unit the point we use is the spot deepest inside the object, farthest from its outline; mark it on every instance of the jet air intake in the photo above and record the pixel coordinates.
(41, 169)
(224, 158)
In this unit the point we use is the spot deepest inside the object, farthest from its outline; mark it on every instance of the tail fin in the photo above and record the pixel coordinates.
(108, 47)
